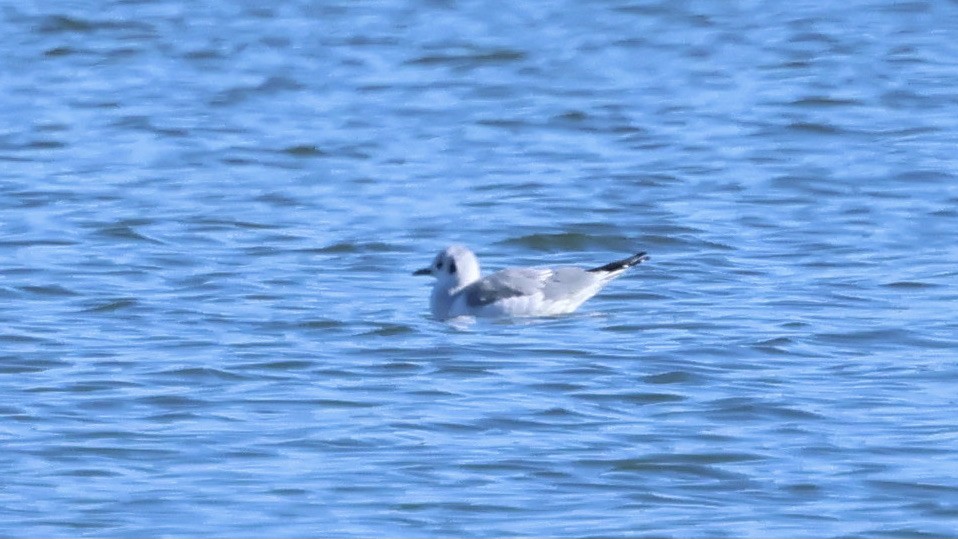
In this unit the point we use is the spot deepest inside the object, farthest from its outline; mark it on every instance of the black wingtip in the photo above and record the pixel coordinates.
(633, 260)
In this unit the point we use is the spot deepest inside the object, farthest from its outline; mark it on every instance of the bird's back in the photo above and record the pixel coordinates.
(529, 292)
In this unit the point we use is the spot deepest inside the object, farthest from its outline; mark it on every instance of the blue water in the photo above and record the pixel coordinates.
(210, 211)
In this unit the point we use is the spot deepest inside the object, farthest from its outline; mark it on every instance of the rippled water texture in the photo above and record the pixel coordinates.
(210, 211)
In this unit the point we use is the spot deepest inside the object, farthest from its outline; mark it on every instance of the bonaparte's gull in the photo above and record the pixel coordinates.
(460, 291)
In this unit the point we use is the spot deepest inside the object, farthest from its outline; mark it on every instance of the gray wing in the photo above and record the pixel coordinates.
(508, 283)
(566, 283)
(553, 284)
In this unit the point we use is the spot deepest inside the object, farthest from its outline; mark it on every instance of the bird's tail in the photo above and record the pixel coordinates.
(617, 267)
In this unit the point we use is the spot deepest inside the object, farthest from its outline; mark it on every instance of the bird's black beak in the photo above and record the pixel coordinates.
(423, 271)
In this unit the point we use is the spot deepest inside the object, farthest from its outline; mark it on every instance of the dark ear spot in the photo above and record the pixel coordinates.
(452, 266)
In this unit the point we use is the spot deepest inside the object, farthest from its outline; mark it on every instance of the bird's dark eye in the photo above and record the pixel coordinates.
(452, 266)
(438, 264)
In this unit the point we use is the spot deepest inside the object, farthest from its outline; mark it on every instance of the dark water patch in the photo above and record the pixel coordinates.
(630, 397)
(908, 532)
(90, 473)
(333, 403)
(182, 344)
(121, 453)
(263, 297)
(586, 371)
(748, 409)
(199, 374)
(249, 454)
(504, 465)
(8, 293)
(201, 54)
(349, 442)
(911, 285)
(672, 377)
(288, 365)
(661, 499)
(39, 198)
(209, 281)
(930, 176)
(92, 386)
(280, 200)
(891, 337)
(913, 7)
(270, 86)
(465, 507)
(8, 411)
(706, 458)
(288, 492)
(61, 51)
(815, 128)
(569, 241)
(775, 342)
(48, 290)
(354, 248)
(555, 413)
(559, 387)
(465, 369)
(174, 401)
(505, 123)
(820, 102)
(89, 524)
(70, 24)
(66, 24)
(805, 490)
(388, 330)
(703, 467)
(127, 233)
(20, 338)
(781, 346)
(18, 363)
(104, 434)
(906, 99)
(570, 353)
(915, 490)
(324, 323)
(339, 373)
(434, 394)
(510, 423)
(945, 212)
(304, 150)
(404, 367)
(519, 188)
(175, 417)
(272, 248)
(110, 306)
(214, 225)
(44, 144)
(136, 122)
(574, 116)
(38, 243)
(468, 58)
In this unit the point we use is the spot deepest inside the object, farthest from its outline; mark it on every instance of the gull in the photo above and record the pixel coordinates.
(459, 289)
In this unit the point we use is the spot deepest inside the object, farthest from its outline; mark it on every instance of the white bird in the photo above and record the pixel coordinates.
(459, 289)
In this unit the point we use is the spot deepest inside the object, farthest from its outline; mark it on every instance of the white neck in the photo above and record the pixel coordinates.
(443, 293)
(440, 301)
